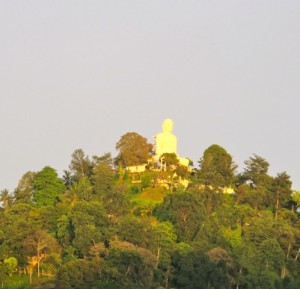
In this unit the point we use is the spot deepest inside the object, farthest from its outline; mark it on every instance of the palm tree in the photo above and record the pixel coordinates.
(68, 179)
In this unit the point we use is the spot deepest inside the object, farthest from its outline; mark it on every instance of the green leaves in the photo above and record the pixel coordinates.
(10, 265)
(216, 167)
(6, 199)
(256, 170)
(111, 232)
(47, 187)
(185, 212)
(195, 270)
(133, 149)
(90, 225)
(80, 164)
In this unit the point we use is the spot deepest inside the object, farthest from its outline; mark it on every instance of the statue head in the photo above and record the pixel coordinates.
(167, 125)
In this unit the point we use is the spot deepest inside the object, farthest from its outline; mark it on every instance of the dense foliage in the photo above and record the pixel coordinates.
(100, 226)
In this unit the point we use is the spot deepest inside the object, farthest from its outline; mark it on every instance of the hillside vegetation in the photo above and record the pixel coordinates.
(101, 226)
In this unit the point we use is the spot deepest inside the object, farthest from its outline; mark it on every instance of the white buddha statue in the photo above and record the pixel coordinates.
(166, 142)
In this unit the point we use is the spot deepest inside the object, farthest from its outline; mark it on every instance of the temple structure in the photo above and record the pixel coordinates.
(165, 143)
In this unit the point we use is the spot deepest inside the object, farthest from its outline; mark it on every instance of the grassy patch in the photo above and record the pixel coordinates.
(144, 202)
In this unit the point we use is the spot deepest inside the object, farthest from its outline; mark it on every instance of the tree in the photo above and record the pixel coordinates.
(135, 267)
(135, 230)
(123, 266)
(77, 274)
(10, 265)
(68, 179)
(164, 241)
(271, 254)
(185, 212)
(182, 172)
(7, 267)
(103, 175)
(89, 225)
(282, 188)
(259, 197)
(296, 198)
(216, 167)
(170, 159)
(47, 187)
(80, 164)
(23, 193)
(17, 223)
(133, 149)
(40, 242)
(195, 270)
(105, 158)
(6, 199)
(65, 231)
(115, 203)
(83, 189)
(132, 264)
(256, 170)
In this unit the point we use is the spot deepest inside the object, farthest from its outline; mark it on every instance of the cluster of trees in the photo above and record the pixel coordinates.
(97, 227)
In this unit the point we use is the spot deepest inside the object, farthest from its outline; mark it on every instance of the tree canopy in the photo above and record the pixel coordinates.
(256, 170)
(105, 227)
(47, 187)
(216, 167)
(134, 149)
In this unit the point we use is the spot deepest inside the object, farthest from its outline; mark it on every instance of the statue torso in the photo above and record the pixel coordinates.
(166, 142)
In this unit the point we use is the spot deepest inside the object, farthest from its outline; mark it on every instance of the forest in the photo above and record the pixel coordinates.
(101, 225)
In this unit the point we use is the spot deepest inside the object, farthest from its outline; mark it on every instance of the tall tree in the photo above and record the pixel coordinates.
(163, 243)
(256, 170)
(133, 149)
(90, 225)
(23, 193)
(282, 188)
(47, 187)
(103, 176)
(40, 242)
(68, 179)
(82, 189)
(80, 164)
(6, 199)
(216, 167)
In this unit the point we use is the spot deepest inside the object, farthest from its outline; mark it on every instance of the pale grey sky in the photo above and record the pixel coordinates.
(79, 74)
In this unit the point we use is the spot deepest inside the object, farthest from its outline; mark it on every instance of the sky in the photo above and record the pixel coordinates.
(80, 74)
